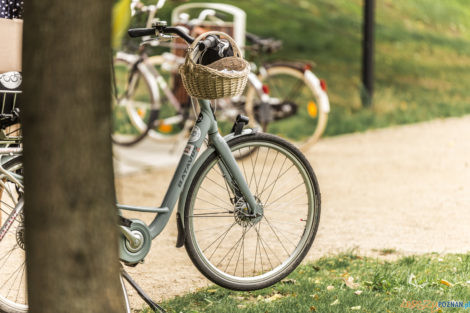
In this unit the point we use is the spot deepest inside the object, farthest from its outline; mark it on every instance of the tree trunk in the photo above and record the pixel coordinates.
(71, 233)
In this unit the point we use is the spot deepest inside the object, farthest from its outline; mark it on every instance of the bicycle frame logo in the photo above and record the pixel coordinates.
(188, 165)
(195, 134)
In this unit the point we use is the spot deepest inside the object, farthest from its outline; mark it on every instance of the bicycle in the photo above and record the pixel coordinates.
(12, 262)
(142, 103)
(12, 275)
(245, 224)
(296, 96)
(281, 94)
(13, 295)
(227, 206)
(145, 104)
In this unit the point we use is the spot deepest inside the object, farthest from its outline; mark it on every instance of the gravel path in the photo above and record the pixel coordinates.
(405, 188)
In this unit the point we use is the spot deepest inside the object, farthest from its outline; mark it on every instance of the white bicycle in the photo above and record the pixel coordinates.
(280, 96)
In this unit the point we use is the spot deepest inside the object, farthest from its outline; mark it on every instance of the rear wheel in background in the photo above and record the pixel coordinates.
(242, 252)
(141, 106)
(298, 101)
(132, 104)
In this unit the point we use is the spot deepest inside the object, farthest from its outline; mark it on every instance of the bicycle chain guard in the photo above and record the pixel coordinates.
(133, 256)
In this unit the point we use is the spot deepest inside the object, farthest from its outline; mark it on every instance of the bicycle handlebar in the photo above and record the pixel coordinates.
(178, 30)
(140, 32)
(210, 42)
(218, 49)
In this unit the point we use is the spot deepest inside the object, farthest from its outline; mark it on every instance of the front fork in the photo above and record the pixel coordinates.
(231, 171)
(206, 124)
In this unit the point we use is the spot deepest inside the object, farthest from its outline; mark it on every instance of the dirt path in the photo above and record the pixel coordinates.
(405, 188)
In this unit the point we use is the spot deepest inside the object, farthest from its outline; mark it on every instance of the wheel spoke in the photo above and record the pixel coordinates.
(235, 245)
(262, 170)
(12, 257)
(215, 205)
(269, 174)
(224, 234)
(275, 234)
(215, 196)
(21, 283)
(288, 192)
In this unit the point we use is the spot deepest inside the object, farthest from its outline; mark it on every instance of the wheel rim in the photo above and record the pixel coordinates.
(289, 89)
(13, 293)
(131, 105)
(267, 248)
(131, 113)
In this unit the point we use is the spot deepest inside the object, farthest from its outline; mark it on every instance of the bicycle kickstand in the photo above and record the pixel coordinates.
(155, 307)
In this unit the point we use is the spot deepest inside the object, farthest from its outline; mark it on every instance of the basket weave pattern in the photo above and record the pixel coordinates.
(210, 81)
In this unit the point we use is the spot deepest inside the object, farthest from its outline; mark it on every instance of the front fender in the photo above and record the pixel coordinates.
(192, 174)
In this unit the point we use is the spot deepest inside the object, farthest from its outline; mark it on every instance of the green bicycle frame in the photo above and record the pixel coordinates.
(206, 125)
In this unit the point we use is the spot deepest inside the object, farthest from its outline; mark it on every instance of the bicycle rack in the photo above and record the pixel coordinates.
(237, 15)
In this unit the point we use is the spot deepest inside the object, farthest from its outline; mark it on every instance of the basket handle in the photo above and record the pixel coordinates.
(236, 49)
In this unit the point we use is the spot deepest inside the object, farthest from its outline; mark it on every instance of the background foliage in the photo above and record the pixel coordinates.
(421, 63)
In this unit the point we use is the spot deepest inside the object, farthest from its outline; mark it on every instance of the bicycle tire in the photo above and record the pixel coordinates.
(7, 305)
(304, 99)
(15, 255)
(205, 183)
(176, 118)
(133, 100)
(150, 121)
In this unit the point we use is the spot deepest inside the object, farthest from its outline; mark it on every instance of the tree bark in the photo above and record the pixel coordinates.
(71, 233)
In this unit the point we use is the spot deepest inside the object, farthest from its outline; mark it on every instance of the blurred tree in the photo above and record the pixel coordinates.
(71, 233)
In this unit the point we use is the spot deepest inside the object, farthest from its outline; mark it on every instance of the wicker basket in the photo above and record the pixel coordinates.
(211, 81)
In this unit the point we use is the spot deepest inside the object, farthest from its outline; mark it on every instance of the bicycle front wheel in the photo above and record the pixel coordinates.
(297, 111)
(242, 252)
(13, 296)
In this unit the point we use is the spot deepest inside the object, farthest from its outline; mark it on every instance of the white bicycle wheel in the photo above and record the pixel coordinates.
(299, 104)
(142, 96)
(133, 101)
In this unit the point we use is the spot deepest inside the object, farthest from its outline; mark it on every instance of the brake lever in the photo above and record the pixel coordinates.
(155, 41)
(152, 42)
(166, 37)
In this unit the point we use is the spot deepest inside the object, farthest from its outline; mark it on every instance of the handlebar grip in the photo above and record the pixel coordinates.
(140, 32)
(209, 42)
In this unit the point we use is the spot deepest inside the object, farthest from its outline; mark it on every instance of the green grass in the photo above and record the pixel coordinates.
(421, 63)
(377, 286)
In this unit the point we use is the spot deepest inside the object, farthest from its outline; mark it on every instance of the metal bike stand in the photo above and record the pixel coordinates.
(141, 293)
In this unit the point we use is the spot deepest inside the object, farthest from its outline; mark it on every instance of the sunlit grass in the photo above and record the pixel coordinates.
(346, 283)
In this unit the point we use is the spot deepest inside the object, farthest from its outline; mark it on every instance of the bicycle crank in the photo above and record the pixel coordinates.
(134, 243)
